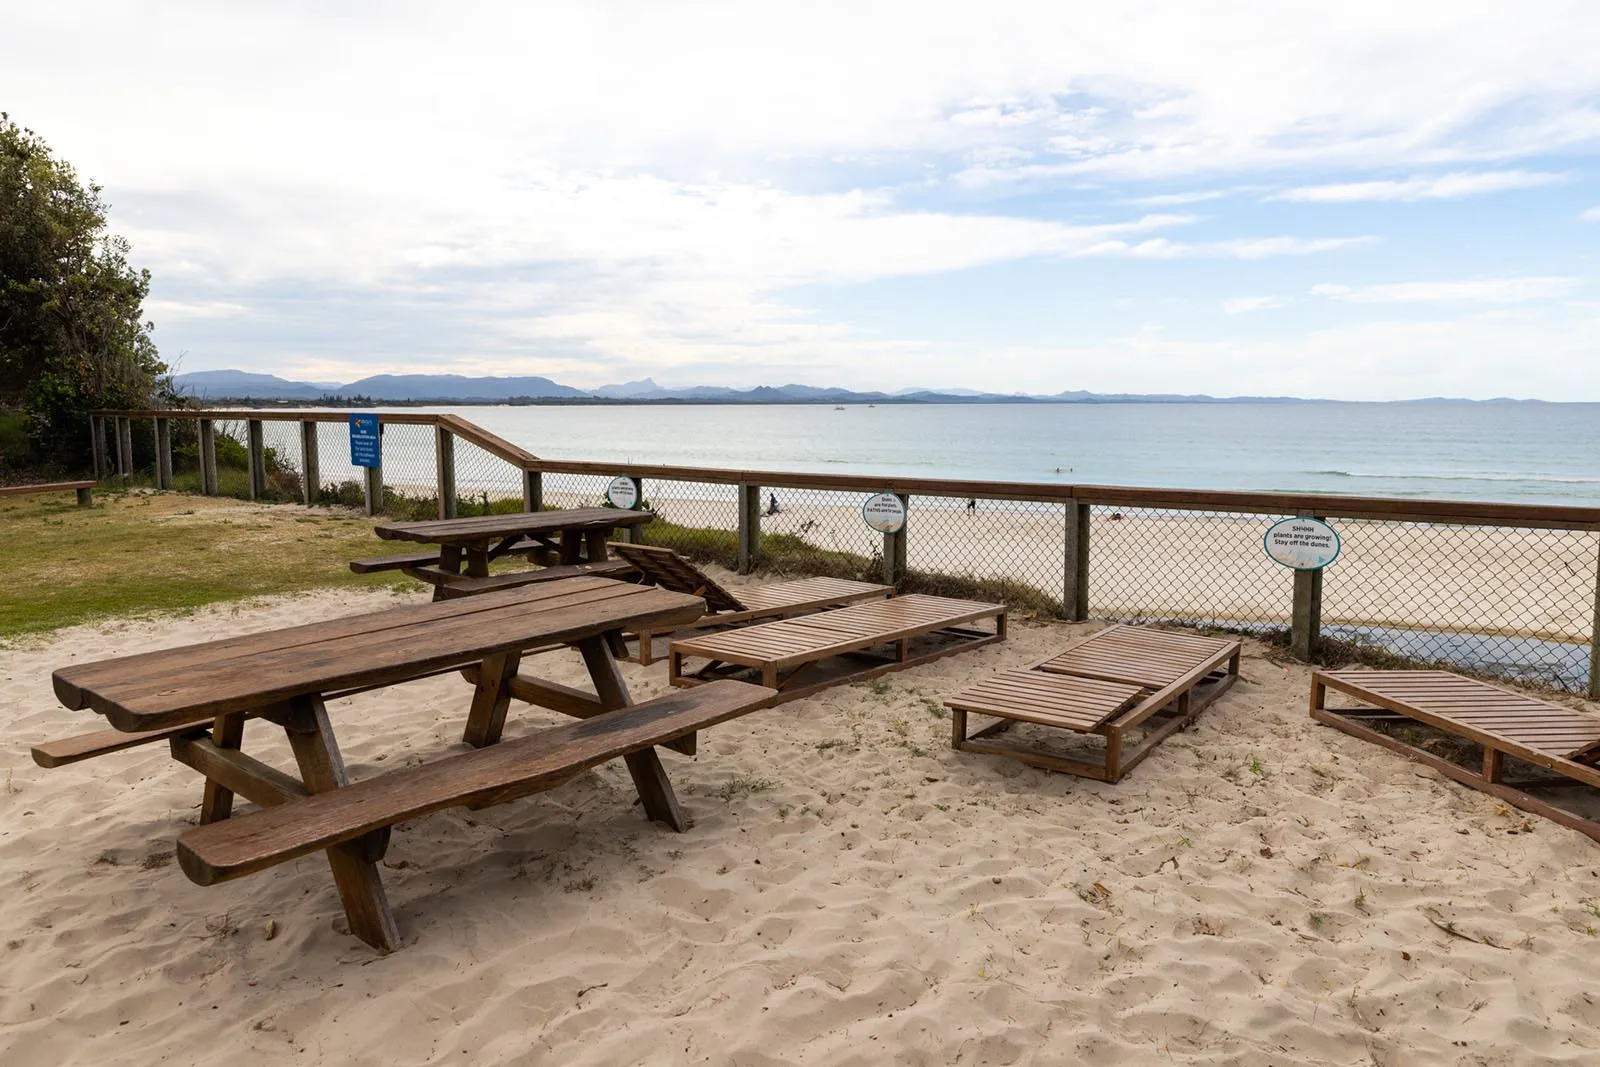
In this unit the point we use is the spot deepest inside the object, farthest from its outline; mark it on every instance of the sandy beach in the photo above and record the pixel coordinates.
(1262, 890)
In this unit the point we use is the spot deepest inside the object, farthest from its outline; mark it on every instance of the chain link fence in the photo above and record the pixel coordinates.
(1503, 601)
(983, 549)
(1199, 568)
(1499, 600)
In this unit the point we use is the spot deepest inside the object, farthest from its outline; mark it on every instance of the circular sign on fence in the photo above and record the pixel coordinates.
(623, 492)
(884, 512)
(1304, 544)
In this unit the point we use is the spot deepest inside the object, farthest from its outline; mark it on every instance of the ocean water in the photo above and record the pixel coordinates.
(1519, 453)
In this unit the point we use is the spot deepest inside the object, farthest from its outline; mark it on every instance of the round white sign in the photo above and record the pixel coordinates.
(1304, 544)
(623, 492)
(884, 512)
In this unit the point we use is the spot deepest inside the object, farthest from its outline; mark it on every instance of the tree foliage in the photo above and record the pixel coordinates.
(72, 335)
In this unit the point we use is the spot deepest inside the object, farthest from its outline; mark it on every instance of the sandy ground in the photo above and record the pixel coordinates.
(1263, 890)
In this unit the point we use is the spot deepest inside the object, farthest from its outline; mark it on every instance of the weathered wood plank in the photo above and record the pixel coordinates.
(511, 769)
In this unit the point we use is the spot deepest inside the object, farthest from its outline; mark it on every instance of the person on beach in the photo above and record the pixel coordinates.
(972, 505)
(772, 504)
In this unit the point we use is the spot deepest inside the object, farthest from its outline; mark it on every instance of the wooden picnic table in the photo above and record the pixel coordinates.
(199, 698)
(573, 539)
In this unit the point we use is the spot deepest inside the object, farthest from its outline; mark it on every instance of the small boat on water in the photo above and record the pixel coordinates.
(838, 407)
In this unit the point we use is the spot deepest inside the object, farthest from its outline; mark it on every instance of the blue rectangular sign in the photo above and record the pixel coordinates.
(366, 447)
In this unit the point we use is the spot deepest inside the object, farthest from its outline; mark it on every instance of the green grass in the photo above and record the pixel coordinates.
(137, 553)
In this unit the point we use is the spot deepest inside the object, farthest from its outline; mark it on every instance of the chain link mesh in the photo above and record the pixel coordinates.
(1008, 550)
(699, 520)
(1498, 600)
(1201, 568)
(817, 531)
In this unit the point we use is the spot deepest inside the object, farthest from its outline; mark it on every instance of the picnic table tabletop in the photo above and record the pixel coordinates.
(157, 690)
(526, 523)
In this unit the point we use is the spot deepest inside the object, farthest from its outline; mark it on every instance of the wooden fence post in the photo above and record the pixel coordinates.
(96, 424)
(1075, 566)
(749, 527)
(894, 547)
(532, 491)
(310, 463)
(256, 445)
(444, 454)
(372, 486)
(1594, 638)
(1305, 623)
(125, 448)
(104, 470)
(208, 457)
(163, 453)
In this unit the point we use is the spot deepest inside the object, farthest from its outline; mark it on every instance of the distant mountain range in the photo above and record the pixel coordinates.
(457, 389)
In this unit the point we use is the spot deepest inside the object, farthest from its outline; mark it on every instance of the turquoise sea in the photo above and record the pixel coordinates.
(1513, 452)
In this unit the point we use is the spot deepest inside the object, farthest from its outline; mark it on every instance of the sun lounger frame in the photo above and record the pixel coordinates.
(1367, 686)
(827, 634)
(1180, 700)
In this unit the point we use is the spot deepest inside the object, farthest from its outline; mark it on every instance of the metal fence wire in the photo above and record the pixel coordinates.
(988, 549)
(1499, 600)
(1202, 568)
(817, 531)
(1505, 601)
(698, 520)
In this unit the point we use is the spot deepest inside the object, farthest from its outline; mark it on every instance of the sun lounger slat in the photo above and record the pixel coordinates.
(1109, 684)
(809, 640)
(1547, 735)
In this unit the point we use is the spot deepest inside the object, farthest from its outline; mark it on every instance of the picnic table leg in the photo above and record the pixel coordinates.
(354, 863)
(478, 561)
(217, 803)
(571, 546)
(450, 563)
(491, 699)
(595, 545)
(649, 777)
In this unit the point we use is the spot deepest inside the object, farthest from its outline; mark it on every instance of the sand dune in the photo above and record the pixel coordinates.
(1263, 890)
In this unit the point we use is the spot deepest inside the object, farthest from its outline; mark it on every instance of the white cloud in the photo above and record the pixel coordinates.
(1238, 248)
(1439, 187)
(561, 184)
(1592, 215)
(1471, 290)
(1177, 199)
(1240, 305)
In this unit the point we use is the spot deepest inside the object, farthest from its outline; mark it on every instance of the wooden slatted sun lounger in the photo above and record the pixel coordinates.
(843, 645)
(1110, 684)
(1502, 722)
(663, 567)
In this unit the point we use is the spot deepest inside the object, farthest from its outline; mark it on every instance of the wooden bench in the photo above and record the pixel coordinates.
(834, 647)
(85, 490)
(450, 585)
(393, 563)
(1115, 682)
(1503, 723)
(219, 851)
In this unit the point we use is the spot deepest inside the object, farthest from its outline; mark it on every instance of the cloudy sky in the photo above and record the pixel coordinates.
(1358, 200)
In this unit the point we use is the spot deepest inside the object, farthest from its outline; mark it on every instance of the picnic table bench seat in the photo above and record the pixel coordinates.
(843, 645)
(458, 585)
(219, 851)
(1503, 723)
(84, 490)
(1110, 684)
(800, 596)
